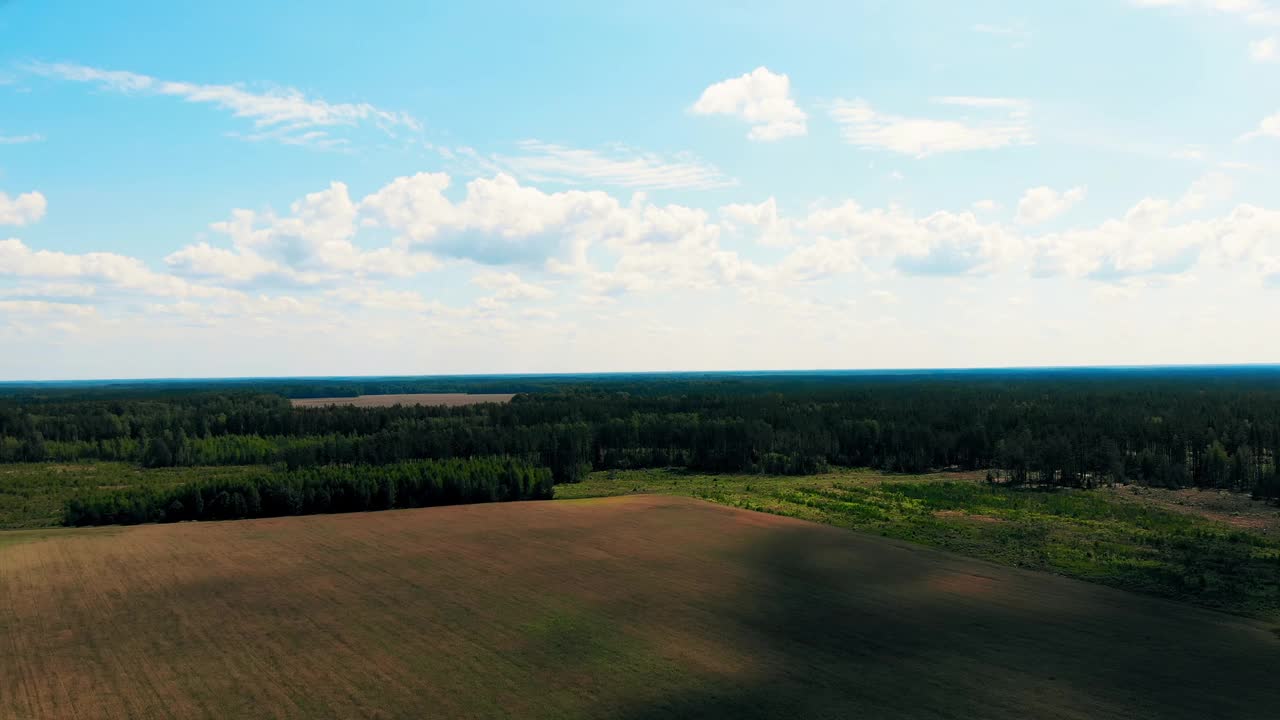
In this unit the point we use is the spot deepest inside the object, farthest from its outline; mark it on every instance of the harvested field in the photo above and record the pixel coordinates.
(631, 607)
(445, 399)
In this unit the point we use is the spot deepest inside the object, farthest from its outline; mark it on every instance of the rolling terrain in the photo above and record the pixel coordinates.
(1130, 537)
(635, 607)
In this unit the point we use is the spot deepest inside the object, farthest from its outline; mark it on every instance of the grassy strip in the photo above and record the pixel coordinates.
(1085, 535)
(34, 495)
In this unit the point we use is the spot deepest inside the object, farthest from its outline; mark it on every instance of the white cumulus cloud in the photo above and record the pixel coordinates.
(761, 98)
(500, 221)
(378, 299)
(1154, 239)
(313, 244)
(764, 218)
(42, 307)
(110, 270)
(940, 243)
(508, 287)
(22, 210)
(1041, 204)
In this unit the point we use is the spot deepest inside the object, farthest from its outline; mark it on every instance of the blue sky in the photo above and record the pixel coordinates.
(266, 188)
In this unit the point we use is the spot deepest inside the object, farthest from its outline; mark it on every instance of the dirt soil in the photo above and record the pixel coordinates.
(639, 608)
(448, 399)
(1233, 508)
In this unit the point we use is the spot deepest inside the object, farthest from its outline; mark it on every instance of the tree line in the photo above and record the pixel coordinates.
(328, 489)
(1207, 428)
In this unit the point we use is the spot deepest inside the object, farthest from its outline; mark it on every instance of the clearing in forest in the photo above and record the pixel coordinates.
(630, 607)
(445, 399)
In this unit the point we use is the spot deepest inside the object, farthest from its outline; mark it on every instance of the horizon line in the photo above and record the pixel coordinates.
(624, 373)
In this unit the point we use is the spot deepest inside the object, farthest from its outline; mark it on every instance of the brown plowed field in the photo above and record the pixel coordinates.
(630, 607)
(449, 399)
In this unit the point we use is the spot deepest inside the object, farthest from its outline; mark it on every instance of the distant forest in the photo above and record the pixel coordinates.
(1202, 427)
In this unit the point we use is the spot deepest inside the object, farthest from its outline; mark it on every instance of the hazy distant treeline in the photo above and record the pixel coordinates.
(1174, 429)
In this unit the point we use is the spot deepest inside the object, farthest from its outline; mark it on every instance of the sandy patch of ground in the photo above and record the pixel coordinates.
(445, 399)
(1235, 509)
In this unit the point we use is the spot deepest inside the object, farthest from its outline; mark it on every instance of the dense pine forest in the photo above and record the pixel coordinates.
(1202, 427)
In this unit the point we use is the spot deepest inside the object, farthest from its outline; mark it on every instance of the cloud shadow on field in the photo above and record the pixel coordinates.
(848, 625)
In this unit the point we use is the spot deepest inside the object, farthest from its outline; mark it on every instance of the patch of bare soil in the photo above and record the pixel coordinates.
(444, 399)
(1235, 509)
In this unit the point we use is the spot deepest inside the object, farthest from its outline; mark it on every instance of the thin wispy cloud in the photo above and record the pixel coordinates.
(1265, 50)
(1013, 105)
(281, 114)
(620, 166)
(1005, 123)
(20, 139)
(1016, 33)
(1255, 12)
(1268, 128)
(1259, 13)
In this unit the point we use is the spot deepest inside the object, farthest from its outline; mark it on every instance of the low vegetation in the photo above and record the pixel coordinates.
(39, 495)
(1092, 536)
(35, 495)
